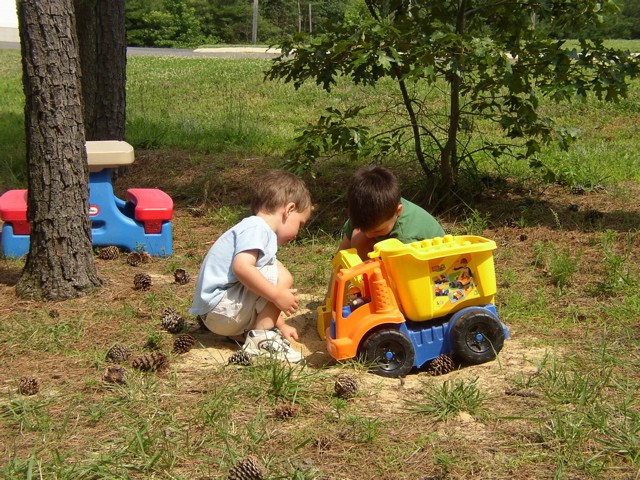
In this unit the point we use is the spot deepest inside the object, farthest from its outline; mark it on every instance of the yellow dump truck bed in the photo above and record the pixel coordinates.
(435, 277)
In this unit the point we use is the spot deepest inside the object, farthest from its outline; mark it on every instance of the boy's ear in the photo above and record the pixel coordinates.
(289, 208)
(399, 210)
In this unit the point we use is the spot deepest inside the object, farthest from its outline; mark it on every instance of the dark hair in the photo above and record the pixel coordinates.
(373, 197)
(277, 188)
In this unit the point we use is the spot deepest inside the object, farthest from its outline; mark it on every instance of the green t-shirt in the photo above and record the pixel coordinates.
(413, 224)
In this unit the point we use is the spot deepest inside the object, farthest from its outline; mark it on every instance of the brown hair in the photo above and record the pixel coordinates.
(277, 188)
(373, 197)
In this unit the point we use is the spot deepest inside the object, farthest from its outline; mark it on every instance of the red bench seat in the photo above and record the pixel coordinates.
(13, 210)
(152, 207)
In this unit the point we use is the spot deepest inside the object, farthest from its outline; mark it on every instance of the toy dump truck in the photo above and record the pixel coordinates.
(410, 303)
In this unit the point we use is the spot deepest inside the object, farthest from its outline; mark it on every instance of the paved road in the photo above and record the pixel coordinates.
(226, 52)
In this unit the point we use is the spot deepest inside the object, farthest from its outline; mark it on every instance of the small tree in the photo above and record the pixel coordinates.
(60, 262)
(488, 60)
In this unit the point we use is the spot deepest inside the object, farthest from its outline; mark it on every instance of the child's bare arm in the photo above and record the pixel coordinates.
(344, 243)
(244, 267)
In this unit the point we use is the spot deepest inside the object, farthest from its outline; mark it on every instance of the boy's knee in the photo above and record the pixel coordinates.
(285, 279)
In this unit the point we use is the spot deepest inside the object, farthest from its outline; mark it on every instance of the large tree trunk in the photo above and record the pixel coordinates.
(103, 57)
(60, 263)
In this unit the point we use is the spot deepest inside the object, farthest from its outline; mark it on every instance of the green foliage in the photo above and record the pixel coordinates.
(617, 276)
(222, 105)
(620, 20)
(12, 131)
(184, 23)
(491, 66)
(449, 399)
(228, 215)
(580, 412)
(154, 340)
(212, 104)
(476, 223)
(333, 132)
(28, 414)
(42, 332)
(225, 22)
(365, 430)
(572, 174)
(230, 21)
(559, 264)
(171, 23)
(619, 429)
(280, 380)
(284, 380)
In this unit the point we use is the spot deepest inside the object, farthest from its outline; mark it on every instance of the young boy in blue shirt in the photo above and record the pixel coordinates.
(242, 289)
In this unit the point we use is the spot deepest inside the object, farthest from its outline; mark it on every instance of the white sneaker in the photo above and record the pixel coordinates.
(270, 343)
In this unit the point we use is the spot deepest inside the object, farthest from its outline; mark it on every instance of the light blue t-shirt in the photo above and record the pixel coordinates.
(216, 273)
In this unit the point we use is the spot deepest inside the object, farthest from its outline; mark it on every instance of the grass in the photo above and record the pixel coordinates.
(450, 399)
(560, 401)
(206, 105)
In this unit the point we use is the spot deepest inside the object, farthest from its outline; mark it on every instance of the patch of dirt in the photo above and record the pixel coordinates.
(517, 358)
(215, 351)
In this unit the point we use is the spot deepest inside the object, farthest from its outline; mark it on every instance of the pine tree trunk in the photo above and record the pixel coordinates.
(60, 263)
(103, 59)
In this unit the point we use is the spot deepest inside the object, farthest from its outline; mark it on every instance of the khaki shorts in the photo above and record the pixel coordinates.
(239, 307)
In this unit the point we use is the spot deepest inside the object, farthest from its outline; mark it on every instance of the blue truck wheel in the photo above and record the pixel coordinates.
(389, 352)
(476, 337)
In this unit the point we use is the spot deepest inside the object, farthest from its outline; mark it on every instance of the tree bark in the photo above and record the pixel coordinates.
(103, 58)
(60, 262)
(449, 154)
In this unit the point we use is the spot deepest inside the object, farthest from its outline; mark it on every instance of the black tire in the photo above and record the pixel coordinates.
(476, 337)
(389, 352)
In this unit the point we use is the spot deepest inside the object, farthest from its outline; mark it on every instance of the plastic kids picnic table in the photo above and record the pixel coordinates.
(142, 221)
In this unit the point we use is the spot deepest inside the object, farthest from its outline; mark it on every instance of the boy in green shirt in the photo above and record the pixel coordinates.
(377, 211)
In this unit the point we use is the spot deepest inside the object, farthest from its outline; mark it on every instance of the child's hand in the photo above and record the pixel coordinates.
(288, 332)
(286, 300)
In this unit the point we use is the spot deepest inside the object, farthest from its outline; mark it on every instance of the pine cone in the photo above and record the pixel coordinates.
(240, 358)
(248, 468)
(109, 253)
(440, 365)
(142, 281)
(134, 259)
(153, 361)
(286, 410)
(345, 386)
(172, 321)
(181, 276)
(114, 374)
(28, 386)
(183, 343)
(118, 353)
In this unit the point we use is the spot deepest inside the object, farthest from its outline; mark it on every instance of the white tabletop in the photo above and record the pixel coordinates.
(108, 154)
